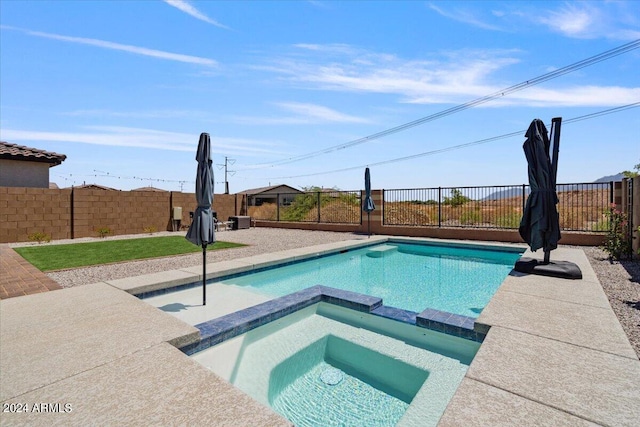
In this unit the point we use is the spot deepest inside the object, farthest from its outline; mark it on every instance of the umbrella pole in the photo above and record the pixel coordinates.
(369, 223)
(547, 255)
(204, 274)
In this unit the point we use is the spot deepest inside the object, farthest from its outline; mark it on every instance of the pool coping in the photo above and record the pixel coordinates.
(231, 325)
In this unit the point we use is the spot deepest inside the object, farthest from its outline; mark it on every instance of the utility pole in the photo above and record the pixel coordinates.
(227, 161)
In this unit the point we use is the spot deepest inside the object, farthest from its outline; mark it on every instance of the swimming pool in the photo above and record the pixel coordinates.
(453, 279)
(327, 365)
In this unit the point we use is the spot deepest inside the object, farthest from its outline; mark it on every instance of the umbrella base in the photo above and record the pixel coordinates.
(561, 269)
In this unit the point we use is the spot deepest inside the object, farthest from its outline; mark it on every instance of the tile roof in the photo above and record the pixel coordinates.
(20, 152)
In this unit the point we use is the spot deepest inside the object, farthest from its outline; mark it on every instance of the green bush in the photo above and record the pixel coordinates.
(618, 242)
(456, 199)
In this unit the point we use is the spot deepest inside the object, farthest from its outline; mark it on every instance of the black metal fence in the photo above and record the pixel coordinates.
(581, 207)
(328, 206)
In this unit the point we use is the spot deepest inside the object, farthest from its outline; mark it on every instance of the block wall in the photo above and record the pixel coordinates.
(69, 214)
(123, 212)
(24, 211)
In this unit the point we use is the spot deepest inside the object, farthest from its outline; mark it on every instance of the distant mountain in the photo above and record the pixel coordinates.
(507, 194)
(616, 177)
(516, 191)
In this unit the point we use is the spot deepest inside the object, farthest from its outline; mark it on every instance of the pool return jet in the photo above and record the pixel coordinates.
(540, 225)
(201, 231)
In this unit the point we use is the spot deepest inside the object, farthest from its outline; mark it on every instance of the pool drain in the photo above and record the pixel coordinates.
(331, 376)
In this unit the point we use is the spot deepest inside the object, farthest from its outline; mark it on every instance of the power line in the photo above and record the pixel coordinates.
(499, 94)
(468, 144)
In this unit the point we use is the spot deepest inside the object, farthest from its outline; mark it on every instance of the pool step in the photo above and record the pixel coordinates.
(382, 250)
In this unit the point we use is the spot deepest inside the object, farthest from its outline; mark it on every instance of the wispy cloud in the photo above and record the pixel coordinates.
(150, 114)
(318, 112)
(189, 9)
(121, 47)
(301, 113)
(451, 78)
(572, 20)
(120, 136)
(576, 96)
(619, 20)
(466, 16)
(590, 20)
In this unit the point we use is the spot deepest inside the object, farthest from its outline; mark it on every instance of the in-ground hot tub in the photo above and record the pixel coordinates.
(329, 365)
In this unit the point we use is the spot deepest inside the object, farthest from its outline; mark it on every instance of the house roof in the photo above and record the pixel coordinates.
(20, 152)
(95, 187)
(260, 190)
(149, 189)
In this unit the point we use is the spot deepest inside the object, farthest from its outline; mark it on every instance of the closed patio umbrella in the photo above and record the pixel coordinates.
(367, 205)
(540, 224)
(201, 231)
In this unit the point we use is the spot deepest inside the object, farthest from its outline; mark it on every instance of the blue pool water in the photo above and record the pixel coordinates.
(407, 276)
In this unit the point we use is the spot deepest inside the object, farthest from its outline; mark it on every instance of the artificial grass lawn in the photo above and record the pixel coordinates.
(56, 257)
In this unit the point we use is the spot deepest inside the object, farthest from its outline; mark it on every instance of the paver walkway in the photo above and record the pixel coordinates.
(18, 277)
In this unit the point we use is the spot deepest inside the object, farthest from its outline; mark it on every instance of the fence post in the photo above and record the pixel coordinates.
(439, 207)
(318, 194)
(362, 205)
(72, 214)
(610, 193)
(277, 206)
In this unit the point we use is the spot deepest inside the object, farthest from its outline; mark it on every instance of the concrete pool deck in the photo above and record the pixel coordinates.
(555, 354)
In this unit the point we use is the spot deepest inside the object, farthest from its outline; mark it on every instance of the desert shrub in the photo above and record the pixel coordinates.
(103, 232)
(508, 220)
(422, 202)
(471, 217)
(150, 229)
(266, 211)
(39, 237)
(601, 225)
(338, 211)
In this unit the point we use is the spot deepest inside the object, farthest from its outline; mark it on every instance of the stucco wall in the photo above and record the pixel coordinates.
(15, 173)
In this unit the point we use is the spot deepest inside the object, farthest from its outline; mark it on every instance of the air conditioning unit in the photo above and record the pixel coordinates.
(177, 213)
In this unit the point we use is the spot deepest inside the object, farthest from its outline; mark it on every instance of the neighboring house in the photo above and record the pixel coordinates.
(22, 166)
(258, 196)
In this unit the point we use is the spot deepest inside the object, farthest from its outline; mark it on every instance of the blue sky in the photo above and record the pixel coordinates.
(124, 88)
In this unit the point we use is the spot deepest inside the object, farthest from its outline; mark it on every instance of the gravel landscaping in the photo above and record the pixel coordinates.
(621, 283)
(620, 279)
